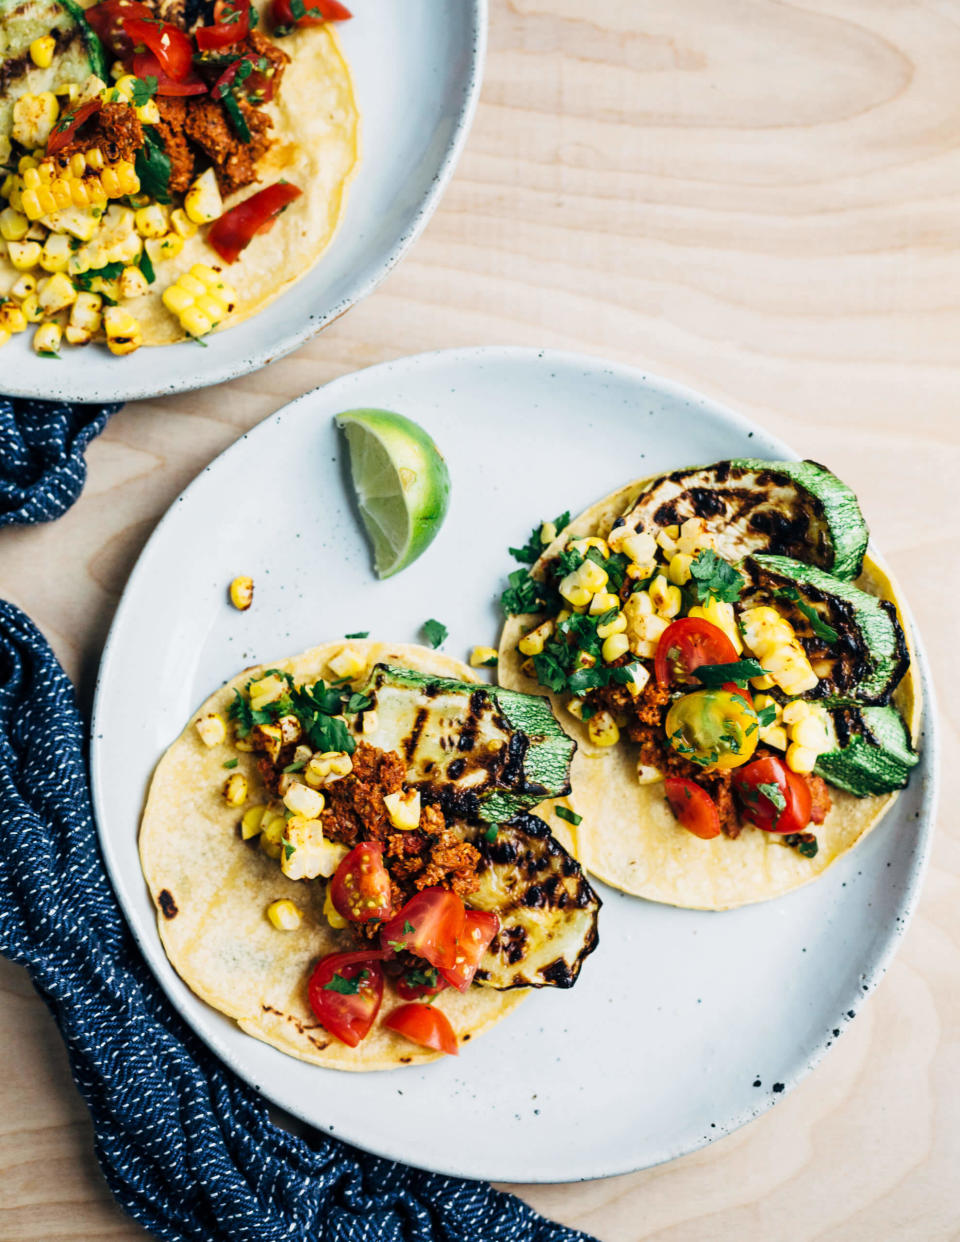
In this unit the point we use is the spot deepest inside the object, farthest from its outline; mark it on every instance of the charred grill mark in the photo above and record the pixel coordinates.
(903, 654)
(533, 825)
(784, 536)
(706, 503)
(410, 742)
(167, 904)
(456, 768)
(478, 701)
(535, 897)
(516, 753)
(667, 514)
(559, 974)
(17, 66)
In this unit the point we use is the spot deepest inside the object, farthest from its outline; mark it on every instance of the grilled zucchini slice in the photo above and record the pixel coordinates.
(872, 753)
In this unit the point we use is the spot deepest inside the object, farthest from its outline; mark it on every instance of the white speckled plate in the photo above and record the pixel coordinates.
(684, 1025)
(417, 67)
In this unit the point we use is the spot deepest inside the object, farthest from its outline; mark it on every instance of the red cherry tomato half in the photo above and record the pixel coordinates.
(429, 925)
(316, 13)
(423, 1025)
(693, 807)
(731, 687)
(360, 888)
(479, 928)
(146, 65)
(68, 125)
(345, 991)
(420, 981)
(686, 644)
(231, 25)
(107, 21)
(754, 784)
(168, 43)
(254, 82)
(237, 228)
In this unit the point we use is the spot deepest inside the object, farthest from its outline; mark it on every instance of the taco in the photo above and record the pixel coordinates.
(345, 835)
(166, 168)
(736, 672)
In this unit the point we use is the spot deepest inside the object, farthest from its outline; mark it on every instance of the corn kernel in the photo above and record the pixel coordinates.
(591, 541)
(325, 768)
(647, 774)
(533, 641)
(639, 676)
(212, 729)
(47, 338)
(616, 625)
(235, 789)
(548, 532)
(776, 736)
(266, 690)
(794, 712)
(26, 285)
(12, 318)
(13, 225)
(202, 201)
(678, 571)
(181, 223)
(348, 663)
(166, 247)
(332, 914)
(720, 613)
(592, 576)
(123, 331)
(800, 758)
(574, 593)
(34, 117)
(403, 809)
(615, 646)
(30, 306)
(303, 800)
(602, 729)
(133, 283)
(41, 51)
(284, 915)
(641, 548)
(148, 113)
(195, 322)
(575, 708)
(483, 657)
(811, 734)
(241, 592)
(151, 221)
(251, 822)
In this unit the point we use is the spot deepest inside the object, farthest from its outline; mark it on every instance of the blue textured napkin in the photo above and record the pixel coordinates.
(42, 470)
(186, 1147)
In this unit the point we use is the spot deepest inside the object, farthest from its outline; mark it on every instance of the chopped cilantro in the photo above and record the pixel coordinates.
(817, 624)
(232, 109)
(491, 833)
(766, 716)
(570, 816)
(346, 987)
(288, 850)
(146, 266)
(713, 676)
(109, 271)
(434, 632)
(714, 577)
(231, 763)
(153, 168)
(422, 976)
(773, 794)
(804, 843)
(524, 594)
(534, 546)
(357, 703)
(296, 767)
(144, 90)
(358, 634)
(408, 927)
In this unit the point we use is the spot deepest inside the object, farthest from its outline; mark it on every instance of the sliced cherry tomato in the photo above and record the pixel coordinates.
(345, 991)
(479, 928)
(693, 807)
(168, 43)
(236, 228)
(715, 728)
(731, 687)
(313, 13)
(423, 1025)
(429, 925)
(686, 644)
(772, 797)
(107, 21)
(420, 981)
(231, 24)
(68, 125)
(254, 82)
(360, 888)
(146, 65)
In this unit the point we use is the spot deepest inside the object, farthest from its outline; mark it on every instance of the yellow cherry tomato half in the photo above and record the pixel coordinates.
(714, 728)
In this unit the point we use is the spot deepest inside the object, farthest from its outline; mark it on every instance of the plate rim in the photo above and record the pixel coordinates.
(913, 877)
(111, 388)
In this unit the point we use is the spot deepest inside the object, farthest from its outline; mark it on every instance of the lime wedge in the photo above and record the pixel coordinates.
(401, 483)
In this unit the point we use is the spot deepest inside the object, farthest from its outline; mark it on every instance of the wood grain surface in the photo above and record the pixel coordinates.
(760, 199)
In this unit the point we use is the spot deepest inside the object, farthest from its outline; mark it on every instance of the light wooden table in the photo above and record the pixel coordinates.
(760, 199)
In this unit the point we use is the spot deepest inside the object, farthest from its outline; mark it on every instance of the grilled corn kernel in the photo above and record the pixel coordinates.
(148, 113)
(12, 318)
(284, 915)
(303, 800)
(306, 852)
(47, 338)
(124, 88)
(24, 287)
(266, 690)
(647, 774)
(181, 223)
(348, 663)
(123, 331)
(13, 225)
(602, 602)
(800, 758)
(694, 536)
(790, 669)
(616, 625)
(811, 733)
(290, 730)
(235, 789)
(794, 712)
(24, 255)
(483, 657)
(667, 543)
(34, 117)
(678, 571)
(30, 306)
(574, 593)
(575, 708)
(133, 283)
(332, 914)
(168, 247)
(55, 254)
(615, 646)
(403, 809)
(151, 221)
(591, 541)
(212, 729)
(241, 593)
(532, 642)
(640, 547)
(592, 576)
(548, 532)
(327, 767)
(639, 676)
(195, 322)
(267, 738)
(94, 159)
(41, 51)
(719, 613)
(602, 730)
(85, 318)
(251, 822)
(776, 736)
(202, 202)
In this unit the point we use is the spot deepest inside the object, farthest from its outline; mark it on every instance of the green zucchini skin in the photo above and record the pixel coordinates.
(870, 658)
(784, 508)
(872, 753)
(490, 752)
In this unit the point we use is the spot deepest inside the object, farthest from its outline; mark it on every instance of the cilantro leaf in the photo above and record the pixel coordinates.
(817, 623)
(346, 987)
(109, 271)
(713, 676)
(570, 816)
(357, 703)
(713, 576)
(408, 927)
(358, 634)
(144, 90)
(534, 546)
(145, 265)
(434, 632)
(153, 167)
(241, 713)
(804, 843)
(491, 833)
(524, 594)
(773, 794)
(231, 763)
(766, 716)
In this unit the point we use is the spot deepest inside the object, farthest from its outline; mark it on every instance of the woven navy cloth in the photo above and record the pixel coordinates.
(42, 443)
(186, 1147)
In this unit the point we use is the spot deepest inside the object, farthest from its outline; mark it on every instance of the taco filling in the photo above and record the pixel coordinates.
(145, 147)
(395, 806)
(747, 686)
